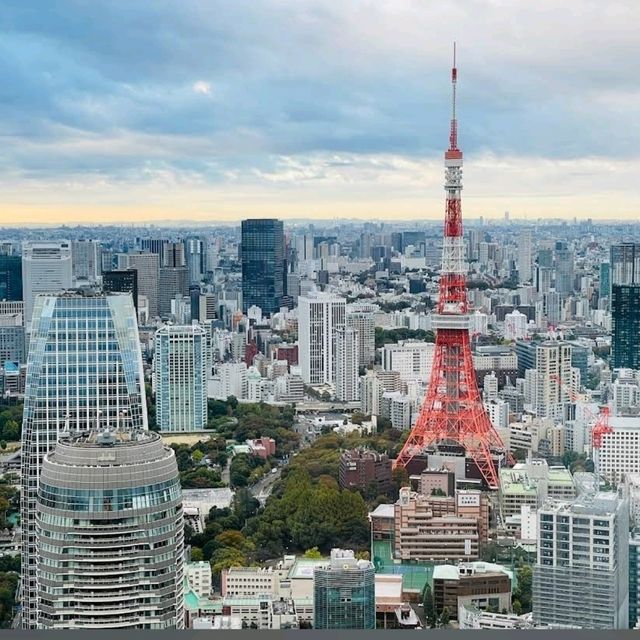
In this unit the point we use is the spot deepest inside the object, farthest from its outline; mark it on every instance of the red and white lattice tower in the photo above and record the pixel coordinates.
(453, 412)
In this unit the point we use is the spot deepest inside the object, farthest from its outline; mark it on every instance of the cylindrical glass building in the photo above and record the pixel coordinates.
(109, 533)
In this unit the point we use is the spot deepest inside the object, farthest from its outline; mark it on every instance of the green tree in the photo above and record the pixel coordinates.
(11, 430)
(197, 456)
(196, 554)
(313, 554)
(429, 607)
(522, 593)
(445, 617)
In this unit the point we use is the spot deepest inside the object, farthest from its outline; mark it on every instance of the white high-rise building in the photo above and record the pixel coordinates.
(619, 452)
(84, 371)
(555, 378)
(490, 385)
(582, 575)
(412, 359)
(525, 257)
(498, 411)
(362, 318)
(230, 379)
(320, 315)
(46, 268)
(85, 258)
(515, 325)
(347, 352)
(180, 377)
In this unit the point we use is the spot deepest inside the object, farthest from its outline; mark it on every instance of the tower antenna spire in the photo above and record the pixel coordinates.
(453, 136)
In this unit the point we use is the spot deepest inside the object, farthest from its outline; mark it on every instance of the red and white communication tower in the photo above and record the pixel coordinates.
(453, 412)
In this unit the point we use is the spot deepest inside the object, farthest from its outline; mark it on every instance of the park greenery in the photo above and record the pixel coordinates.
(392, 336)
(10, 422)
(307, 513)
(9, 577)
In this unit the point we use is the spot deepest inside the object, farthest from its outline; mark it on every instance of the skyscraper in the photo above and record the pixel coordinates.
(148, 267)
(196, 255)
(344, 593)
(173, 278)
(625, 325)
(84, 371)
(605, 280)
(362, 318)
(180, 376)
(109, 533)
(565, 269)
(86, 260)
(525, 257)
(320, 315)
(121, 281)
(263, 264)
(46, 268)
(625, 263)
(10, 277)
(625, 305)
(347, 352)
(582, 574)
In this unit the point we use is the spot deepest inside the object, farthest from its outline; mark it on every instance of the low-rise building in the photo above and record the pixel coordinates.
(364, 469)
(485, 586)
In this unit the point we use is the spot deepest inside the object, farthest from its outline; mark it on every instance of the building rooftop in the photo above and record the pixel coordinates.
(516, 482)
(383, 511)
(603, 503)
(560, 476)
(455, 572)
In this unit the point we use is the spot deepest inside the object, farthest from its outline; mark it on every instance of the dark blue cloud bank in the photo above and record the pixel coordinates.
(218, 88)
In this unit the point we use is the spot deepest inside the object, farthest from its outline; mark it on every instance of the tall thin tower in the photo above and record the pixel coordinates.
(453, 412)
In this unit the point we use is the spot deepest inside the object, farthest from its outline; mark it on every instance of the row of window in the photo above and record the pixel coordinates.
(73, 499)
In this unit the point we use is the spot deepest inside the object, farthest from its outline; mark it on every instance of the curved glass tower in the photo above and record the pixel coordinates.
(109, 534)
(84, 371)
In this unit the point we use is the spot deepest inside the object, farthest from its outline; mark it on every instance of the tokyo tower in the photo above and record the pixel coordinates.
(453, 413)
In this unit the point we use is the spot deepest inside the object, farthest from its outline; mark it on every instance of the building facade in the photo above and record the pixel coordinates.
(320, 315)
(121, 281)
(344, 593)
(364, 469)
(10, 277)
(263, 264)
(85, 260)
(411, 358)
(147, 266)
(46, 268)
(625, 325)
(84, 370)
(180, 378)
(109, 534)
(347, 368)
(581, 577)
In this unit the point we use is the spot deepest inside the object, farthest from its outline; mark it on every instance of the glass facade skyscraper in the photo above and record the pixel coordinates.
(84, 371)
(344, 593)
(625, 326)
(263, 264)
(109, 534)
(10, 277)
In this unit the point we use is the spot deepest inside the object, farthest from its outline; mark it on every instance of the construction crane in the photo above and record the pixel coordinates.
(601, 426)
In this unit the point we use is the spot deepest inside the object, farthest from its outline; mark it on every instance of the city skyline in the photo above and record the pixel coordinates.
(222, 113)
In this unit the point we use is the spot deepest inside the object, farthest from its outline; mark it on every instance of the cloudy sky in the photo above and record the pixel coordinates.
(132, 110)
